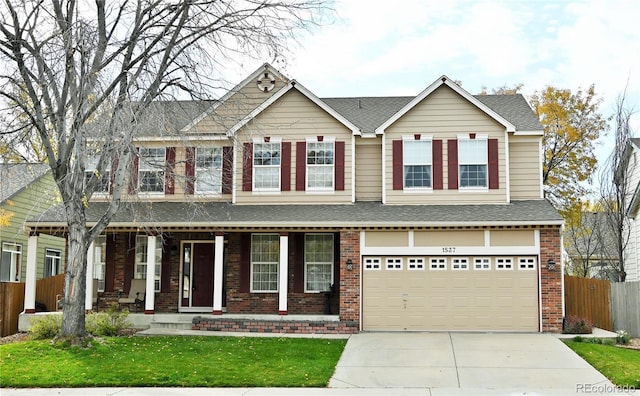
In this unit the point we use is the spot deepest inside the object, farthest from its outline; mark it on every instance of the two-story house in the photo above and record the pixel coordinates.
(275, 210)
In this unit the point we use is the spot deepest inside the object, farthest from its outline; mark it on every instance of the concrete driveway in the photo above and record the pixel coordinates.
(465, 362)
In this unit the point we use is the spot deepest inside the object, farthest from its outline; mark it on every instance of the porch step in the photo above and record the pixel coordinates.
(175, 325)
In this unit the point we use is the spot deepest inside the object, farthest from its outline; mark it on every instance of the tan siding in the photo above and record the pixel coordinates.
(369, 169)
(448, 238)
(443, 115)
(383, 238)
(294, 118)
(524, 167)
(513, 238)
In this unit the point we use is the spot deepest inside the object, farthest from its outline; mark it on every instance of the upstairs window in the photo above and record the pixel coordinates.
(151, 170)
(417, 159)
(208, 172)
(266, 166)
(103, 179)
(472, 162)
(320, 165)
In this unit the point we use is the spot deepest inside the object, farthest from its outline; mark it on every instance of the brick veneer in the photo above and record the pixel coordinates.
(551, 281)
(350, 280)
(274, 326)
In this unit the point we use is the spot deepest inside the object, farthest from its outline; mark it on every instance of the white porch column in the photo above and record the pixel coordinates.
(149, 294)
(30, 281)
(218, 273)
(283, 273)
(88, 299)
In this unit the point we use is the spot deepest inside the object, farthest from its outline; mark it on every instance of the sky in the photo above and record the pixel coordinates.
(399, 47)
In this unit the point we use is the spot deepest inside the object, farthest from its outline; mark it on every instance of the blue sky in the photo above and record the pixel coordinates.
(380, 47)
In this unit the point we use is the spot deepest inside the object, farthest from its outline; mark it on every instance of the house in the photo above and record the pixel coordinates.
(274, 210)
(27, 189)
(631, 164)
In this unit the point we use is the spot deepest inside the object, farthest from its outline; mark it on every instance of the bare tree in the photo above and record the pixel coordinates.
(88, 72)
(581, 238)
(617, 190)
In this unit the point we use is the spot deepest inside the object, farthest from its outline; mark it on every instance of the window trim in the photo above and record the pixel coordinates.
(157, 282)
(105, 180)
(466, 138)
(144, 166)
(251, 263)
(197, 169)
(325, 140)
(331, 264)
(47, 256)
(254, 167)
(100, 241)
(18, 267)
(410, 139)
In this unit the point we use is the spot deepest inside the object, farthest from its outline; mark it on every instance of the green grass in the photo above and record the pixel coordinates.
(620, 365)
(172, 361)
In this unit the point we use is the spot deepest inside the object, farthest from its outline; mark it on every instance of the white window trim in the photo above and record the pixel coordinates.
(305, 261)
(158, 263)
(90, 170)
(463, 263)
(372, 264)
(277, 263)
(253, 167)
(475, 268)
(475, 189)
(195, 171)
(525, 260)
(394, 264)
(411, 138)
(436, 260)
(97, 260)
(152, 169)
(58, 258)
(417, 263)
(506, 259)
(18, 267)
(308, 188)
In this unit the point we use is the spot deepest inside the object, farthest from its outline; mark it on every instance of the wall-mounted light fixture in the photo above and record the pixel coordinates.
(349, 265)
(551, 265)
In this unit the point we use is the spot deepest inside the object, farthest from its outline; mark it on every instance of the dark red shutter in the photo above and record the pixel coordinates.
(112, 176)
(165, 273)
(339, 166)
(301, 166)
(129, 262)
(452, 163)
(298, 272)
(190, 170)
(398, 182)
(133, 183)
(285, 167)
(110, 262)
(227, 169)
(494, 181)
(169, 177)
(436, 151)
(247, 167)
(245, 262)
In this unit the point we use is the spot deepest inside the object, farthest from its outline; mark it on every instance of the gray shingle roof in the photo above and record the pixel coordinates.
(368, 113)
(515, 109)
(360, 214)
(15, 177)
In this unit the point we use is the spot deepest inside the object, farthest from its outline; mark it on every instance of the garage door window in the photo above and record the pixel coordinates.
(504, 264)
(415, 264)
(482, 264)
(318, 261)
(438, 264)
(372, 264)
(527, 263)
(394, 264)
(460, 264)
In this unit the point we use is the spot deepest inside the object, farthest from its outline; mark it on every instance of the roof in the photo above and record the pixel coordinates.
(16, 177)
(361, 214)
(515, 109)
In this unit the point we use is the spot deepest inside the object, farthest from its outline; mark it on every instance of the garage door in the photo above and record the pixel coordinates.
(450, 293)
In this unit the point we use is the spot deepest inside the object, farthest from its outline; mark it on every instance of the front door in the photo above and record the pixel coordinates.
(197, 274)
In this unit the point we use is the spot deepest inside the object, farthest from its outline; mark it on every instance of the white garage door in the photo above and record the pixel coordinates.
(450, 293)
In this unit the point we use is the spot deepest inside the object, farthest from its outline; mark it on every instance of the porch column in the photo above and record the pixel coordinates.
(30, 281)
(149, 294)
(283, 272)
(218, 273)
(88, 298)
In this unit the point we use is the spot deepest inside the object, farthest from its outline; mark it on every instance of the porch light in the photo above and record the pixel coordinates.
(551, 265)
(349, 265)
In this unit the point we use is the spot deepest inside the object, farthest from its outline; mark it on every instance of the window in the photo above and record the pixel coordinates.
(526, 263)
(393, 264)
(99, 260)
(372, 264)
(104, 178)
(266, 166)
(438, 264)
(142, 259)
(151, 170)
(52, 262)
(265, 258)
(318, 262)
(10, 264)
(504, 264)
(482, 264)
(417, 158)
(459, 264)
(415, 264)
(472, 160)
(208, 170)
(320, 162)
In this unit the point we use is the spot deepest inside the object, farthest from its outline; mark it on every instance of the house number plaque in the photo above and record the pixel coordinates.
(448, 249)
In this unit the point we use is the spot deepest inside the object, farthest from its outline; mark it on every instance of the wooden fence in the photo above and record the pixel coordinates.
(12, 300)
(625, 307)
(11, 304)
(589, 299)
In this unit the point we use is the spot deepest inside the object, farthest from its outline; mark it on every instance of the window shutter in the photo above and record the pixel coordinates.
(285, 167)
(129, 262)
(298, 271)
(247, 167)
(452, 155)
(190, 170)
(169, 177)
(437, 164)
(397, 165)
(339, 166)
(133, 183)
(110, 263)
(112, 176)
(301, 166)
(245, 262)
(494, 181)
(227, 169)
(165, 273)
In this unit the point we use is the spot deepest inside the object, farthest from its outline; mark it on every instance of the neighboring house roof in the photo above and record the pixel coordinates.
(599, 244)
(360, 214)
(16, 177)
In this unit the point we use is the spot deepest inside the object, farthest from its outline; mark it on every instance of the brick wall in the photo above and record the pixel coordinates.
(274, 326)
(551, 281)
(350, 280)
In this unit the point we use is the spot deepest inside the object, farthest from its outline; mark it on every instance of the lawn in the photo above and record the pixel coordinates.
(172, 361)
(620, 365)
